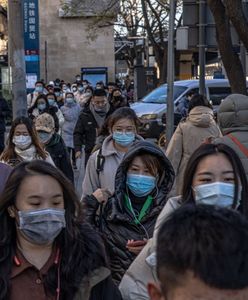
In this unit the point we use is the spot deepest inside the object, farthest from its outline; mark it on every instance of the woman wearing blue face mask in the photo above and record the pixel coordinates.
(23, 144)
(214, 175)
(54, 108)
(42, 106)
(70, 111)
(118, 133)
(47, 251)
(143, 180)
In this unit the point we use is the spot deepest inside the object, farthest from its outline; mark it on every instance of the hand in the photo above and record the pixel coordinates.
(78, 154)
(136, 246)
(102, 195)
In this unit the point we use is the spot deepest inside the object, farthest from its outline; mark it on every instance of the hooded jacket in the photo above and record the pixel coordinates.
(71, 114)
(233, 119)
(189, 135)
(143, 269)
(117, 222)
(112, 159)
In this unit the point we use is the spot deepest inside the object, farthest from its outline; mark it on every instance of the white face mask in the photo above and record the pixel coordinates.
(22, 141)
(217, 193)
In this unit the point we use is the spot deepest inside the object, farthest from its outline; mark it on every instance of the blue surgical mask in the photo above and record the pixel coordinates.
(39, 89)
(217, 193)
(123, 139)
(51, 101)
(44, 137)
(22, 141)
(80, 89)
(140, 185)
(57, 94)
(42, 226)
(69, 101)
(41, 106)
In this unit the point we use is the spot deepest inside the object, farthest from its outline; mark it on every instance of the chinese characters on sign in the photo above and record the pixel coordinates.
(31, 36)
(30, 19)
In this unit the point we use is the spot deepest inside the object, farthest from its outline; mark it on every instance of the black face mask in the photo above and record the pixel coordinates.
(117, 99)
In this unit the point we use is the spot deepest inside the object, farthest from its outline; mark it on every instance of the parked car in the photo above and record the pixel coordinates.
(152, 108)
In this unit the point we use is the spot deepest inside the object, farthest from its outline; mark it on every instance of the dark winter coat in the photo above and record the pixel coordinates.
(85, 131)
(233, 119)
(58, 152)
(117, 222)
(5, 170)
(4, 112)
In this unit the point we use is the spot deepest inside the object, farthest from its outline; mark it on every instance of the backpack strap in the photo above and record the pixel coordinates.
(100, 160)
(242, 148)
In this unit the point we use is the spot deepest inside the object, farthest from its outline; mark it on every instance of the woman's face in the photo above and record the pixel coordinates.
(124, 125)
(39, 192)
(41, 101)
(50, 97)
(21, 129)
(138, 167)
(212, 168)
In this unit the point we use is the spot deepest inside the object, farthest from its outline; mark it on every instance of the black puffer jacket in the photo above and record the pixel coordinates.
(58, 152)
(85, 131)
(117, 223)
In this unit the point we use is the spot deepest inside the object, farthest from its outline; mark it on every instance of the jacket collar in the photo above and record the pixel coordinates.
(20, 263)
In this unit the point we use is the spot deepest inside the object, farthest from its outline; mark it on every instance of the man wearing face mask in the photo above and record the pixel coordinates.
(79, 94)
(54, 144)
(117, 99)
(78, 79)
(90, 120)
(39, 89)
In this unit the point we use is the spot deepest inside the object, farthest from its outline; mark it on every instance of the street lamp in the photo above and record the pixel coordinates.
(170, 75)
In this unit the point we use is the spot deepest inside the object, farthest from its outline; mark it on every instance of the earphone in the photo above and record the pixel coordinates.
(135, 217)
(57, 262)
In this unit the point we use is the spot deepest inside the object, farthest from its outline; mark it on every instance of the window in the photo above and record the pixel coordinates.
(217, 94)
(159, 95)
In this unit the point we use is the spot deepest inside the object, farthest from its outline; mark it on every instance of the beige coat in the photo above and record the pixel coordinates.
(189, 135)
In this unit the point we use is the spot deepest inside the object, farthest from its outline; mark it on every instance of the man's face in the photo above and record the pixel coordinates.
(99, 102)
(192, 288)
(110, 88)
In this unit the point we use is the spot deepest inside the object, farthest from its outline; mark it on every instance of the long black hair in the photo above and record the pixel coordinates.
(81, 248)
(9, 152)
(238, 169)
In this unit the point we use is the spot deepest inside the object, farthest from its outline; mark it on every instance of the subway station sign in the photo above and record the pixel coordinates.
(31, 40)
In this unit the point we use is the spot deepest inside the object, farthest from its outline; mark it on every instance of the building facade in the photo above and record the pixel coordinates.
(71, 38)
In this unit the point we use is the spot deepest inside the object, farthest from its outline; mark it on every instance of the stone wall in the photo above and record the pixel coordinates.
(71, 45)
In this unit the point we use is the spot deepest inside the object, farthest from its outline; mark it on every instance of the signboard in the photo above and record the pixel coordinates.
(94, 75)
(191, 24)
(30, 80)
(31, 38)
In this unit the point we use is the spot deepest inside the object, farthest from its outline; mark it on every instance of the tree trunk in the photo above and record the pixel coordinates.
(235, 12)
(230, 59)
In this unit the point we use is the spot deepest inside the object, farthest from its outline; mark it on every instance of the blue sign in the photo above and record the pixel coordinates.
(31, 36)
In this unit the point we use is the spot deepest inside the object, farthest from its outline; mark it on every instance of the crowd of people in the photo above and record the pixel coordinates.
(151, 223)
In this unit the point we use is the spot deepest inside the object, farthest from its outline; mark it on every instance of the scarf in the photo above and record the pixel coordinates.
(99, 117)
(27, 154)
